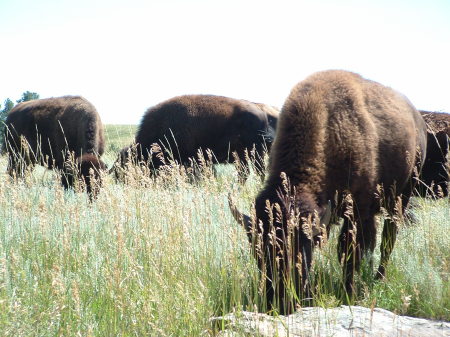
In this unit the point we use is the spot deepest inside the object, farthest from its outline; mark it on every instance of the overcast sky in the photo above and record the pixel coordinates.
(125, 56)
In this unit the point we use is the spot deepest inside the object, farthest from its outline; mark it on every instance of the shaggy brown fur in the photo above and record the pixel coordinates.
(183, 125)
(435, 171)
(49, 131)
(339, 138)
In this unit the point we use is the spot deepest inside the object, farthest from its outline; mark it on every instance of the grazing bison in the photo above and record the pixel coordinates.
(52, 131)
(183, 125)
(435, 171)
(342, 141)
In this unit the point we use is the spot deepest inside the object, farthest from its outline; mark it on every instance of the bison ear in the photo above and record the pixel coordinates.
(241, 218)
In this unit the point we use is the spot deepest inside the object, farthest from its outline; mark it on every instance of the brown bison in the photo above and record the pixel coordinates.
(344, 145)
(51, 132)
(435, 171)
(184, 125)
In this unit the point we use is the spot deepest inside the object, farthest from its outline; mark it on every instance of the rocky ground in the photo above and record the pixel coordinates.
(343, 321)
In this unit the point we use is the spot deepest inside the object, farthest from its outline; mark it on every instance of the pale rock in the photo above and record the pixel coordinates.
(343, 321)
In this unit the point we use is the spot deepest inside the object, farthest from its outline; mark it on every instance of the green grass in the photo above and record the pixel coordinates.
(161, 257)
(118, 136)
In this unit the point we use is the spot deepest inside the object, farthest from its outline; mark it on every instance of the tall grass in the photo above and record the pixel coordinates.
(162, 258)
(159, 260)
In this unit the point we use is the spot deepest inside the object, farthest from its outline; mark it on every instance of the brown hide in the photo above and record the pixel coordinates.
(183, 125)
(435, 171)
(49, 131)
(339, 137)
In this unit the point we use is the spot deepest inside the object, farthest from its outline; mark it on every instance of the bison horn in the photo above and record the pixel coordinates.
(241, 218)
(326, 216)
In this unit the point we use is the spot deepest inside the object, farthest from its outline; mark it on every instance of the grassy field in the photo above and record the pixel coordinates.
(161, 257)
(118, 136)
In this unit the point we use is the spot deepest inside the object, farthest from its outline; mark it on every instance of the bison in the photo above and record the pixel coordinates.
(182, 126)
(344, 147)
(64, 133)
(435, 171)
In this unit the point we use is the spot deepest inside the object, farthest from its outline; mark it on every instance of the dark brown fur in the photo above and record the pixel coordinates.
(49, 131)
(339, 137)
(183, 125)
(435, 171)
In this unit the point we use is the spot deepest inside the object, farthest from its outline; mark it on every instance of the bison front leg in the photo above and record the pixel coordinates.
(287, 282)
(296, 269)
(347, 253)
(357, 238)
(303, 285)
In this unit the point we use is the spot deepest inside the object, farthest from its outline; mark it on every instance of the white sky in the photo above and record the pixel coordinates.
(125, 56)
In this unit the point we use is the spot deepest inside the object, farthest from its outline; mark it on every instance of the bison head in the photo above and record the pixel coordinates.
(283, 233)
(87, 170)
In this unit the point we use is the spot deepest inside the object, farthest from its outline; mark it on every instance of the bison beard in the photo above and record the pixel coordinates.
(342, 141)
